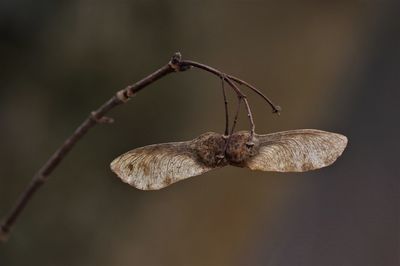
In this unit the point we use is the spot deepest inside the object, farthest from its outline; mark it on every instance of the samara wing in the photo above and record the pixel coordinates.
(157, 166)
(297, 150)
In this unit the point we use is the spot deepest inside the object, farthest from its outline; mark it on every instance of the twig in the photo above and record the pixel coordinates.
(98, 116)
(236, 115)
(229, 81)
(246, 103)
(94, 118)
(275, 108)
(226, 107)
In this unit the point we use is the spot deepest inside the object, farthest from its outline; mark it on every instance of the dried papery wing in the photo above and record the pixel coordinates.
(297, 150)
(157, 166)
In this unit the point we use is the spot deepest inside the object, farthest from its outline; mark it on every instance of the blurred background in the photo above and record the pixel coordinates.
(331, 65)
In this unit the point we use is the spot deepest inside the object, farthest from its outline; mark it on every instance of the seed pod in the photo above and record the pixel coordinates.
(157, 166)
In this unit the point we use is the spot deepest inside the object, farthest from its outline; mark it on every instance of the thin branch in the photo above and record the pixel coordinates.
(229, 81)
(226, 107)
(246, 103)
(236, 115)
(94, 118)
(98, 116)
(228, 137)
(275, 108)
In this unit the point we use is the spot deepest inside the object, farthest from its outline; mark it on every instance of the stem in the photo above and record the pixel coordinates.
(236, 115)
(94, 118)
(246, 103)
(275, 108)
(229, 81)
(98, 116)
(226, 108)
(234, 123)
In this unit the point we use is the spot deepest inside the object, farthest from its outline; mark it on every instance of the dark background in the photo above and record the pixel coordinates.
(331, 65)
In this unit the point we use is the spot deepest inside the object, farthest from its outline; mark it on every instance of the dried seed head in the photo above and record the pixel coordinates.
(209, 147)
(157, 166)
(241, 146)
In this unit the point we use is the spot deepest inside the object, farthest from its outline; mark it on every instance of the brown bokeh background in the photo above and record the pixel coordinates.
(331, 65)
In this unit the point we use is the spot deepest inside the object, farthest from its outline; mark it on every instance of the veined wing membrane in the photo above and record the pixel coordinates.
(297, 150)
(157, 166)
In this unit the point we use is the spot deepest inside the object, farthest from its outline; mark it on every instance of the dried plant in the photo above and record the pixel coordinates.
(157, 166)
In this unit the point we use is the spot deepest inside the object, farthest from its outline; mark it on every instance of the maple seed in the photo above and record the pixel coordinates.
(156, 166)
